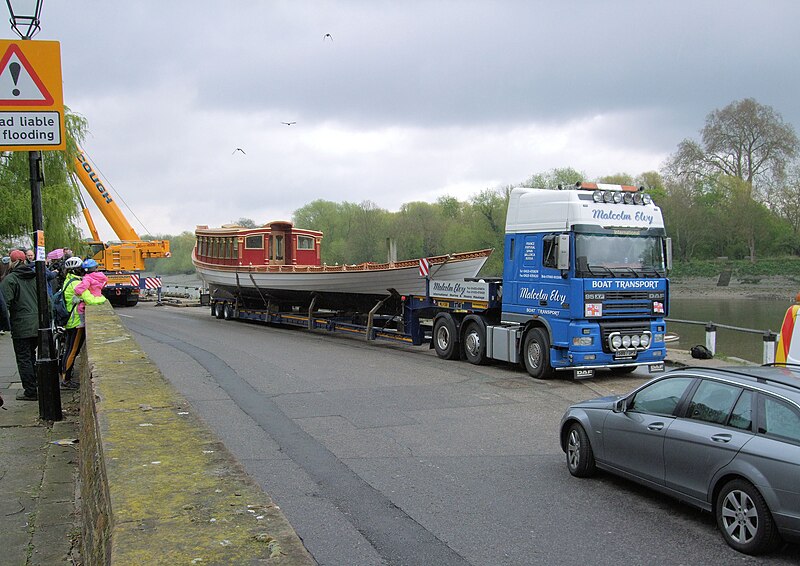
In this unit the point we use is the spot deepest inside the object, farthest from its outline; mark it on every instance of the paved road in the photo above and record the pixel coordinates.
(384, 454)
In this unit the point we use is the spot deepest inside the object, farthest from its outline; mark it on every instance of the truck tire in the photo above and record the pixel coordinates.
(219, 310)
(444, 338)
(475, 343)
(536, 354)
(228, 312)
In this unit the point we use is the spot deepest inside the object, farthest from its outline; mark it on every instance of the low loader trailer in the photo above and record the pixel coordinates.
(584, 288)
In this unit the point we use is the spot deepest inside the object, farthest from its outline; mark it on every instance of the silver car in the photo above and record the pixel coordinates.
(726, 440)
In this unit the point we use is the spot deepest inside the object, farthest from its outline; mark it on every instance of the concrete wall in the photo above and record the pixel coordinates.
(157, 487)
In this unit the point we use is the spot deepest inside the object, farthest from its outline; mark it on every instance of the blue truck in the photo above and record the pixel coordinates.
(584, 288)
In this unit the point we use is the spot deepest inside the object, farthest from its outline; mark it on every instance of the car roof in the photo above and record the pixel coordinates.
(783, 378)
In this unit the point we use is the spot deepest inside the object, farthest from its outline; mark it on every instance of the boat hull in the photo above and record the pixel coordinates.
(354, 286)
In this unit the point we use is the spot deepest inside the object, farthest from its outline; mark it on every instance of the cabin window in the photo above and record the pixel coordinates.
(550, 251)
(254, 242)
(236, 248)
(215, 247)
(227, 248)
(203, 247)
(278, 247)
(305, 243)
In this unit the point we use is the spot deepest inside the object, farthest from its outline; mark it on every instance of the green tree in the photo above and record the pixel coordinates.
(246, 223)
(180, 260)
(551, 179)
(617, 179)
(60, 200)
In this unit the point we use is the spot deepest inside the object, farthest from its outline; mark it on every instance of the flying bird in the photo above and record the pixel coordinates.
(238, 149)
(326, 36)
(289, 123)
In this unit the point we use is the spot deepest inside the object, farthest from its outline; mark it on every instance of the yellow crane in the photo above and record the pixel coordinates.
(123, 260)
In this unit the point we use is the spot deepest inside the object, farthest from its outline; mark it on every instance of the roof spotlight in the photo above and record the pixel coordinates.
(617, 197)
(608, 196)
(597, 196)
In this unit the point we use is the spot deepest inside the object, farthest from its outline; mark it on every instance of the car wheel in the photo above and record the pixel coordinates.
(580, 458)
(536, 354)
(744, 518)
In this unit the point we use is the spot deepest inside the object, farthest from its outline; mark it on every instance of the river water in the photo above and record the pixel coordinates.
(758, 314)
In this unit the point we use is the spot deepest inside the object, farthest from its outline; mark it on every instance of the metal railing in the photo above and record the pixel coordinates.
(769, 337)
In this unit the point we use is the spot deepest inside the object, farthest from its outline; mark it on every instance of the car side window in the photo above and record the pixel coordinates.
(742, 416)
(661, 397)
(713, 401)
(780, 419)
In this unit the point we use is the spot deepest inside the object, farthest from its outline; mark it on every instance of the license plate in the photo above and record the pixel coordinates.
(583, 373)
(655, 368)
(629, 353)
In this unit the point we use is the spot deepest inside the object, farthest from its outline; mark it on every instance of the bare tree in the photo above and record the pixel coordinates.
(745, 140)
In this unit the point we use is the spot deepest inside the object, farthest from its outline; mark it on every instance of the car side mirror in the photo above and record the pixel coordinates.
(621, 405)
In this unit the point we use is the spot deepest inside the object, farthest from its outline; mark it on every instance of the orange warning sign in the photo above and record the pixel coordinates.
(31, 99)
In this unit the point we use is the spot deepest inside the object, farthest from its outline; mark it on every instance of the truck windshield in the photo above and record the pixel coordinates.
(603, 255)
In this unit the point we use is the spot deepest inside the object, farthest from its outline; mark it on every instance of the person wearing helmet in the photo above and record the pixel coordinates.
(90, 290)
(74, 333)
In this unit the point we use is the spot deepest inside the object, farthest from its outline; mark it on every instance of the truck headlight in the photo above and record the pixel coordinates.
(645, 340)
(616, 342)
(582, 341)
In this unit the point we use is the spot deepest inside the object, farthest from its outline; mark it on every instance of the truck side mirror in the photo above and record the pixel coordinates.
(668, 253)
(563, 252)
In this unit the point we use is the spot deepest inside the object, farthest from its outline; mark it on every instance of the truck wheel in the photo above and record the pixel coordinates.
(536, 354)
(444, 338)
(475, 343)
(219, 310)
(228, 312)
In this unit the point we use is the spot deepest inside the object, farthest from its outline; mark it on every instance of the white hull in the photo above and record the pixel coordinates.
(362, 279)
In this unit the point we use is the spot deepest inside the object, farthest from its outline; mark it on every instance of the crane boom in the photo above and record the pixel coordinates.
(121, 261)
(97, 190)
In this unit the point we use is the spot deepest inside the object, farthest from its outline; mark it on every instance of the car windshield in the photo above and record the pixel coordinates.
(606, 255)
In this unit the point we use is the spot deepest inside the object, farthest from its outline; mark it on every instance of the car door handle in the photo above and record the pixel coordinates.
(721, 438)
(655, 426)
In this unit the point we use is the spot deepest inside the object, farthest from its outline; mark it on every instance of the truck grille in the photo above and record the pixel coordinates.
(625, 303)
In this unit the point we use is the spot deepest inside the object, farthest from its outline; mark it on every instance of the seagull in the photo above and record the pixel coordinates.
(288, 123)
(238, 149)
(326, 36)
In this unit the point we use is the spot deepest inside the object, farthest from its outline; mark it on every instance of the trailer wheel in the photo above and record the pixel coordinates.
(536, 354)
(444, 338)
(219, 310)
(475, 343)
(228, 312)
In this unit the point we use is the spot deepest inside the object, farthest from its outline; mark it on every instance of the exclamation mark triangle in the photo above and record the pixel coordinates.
(19, 83)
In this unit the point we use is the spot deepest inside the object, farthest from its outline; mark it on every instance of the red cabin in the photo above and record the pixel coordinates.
(274, 243)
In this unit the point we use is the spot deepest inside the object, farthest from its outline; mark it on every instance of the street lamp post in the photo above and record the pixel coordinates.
(25, 22)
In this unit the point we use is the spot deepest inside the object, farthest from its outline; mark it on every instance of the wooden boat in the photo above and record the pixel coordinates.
(278, 263)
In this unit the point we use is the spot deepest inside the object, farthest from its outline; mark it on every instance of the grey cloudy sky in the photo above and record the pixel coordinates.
(410, 101)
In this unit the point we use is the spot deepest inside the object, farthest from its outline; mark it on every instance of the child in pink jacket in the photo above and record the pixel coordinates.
(91, 287)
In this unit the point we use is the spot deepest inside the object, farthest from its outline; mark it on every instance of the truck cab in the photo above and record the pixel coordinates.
(584, 280)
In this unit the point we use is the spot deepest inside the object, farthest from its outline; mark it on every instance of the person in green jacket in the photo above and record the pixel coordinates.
(74, 334)
(19, 289)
